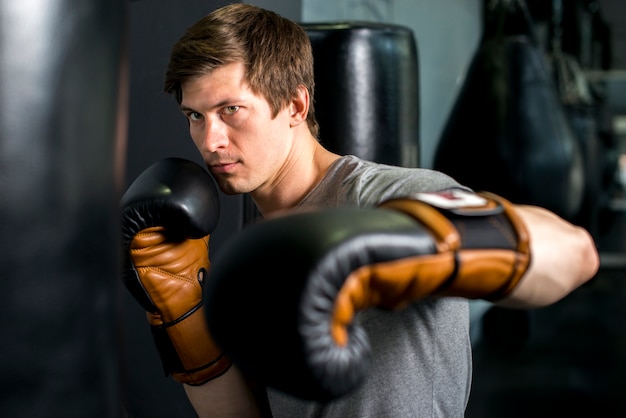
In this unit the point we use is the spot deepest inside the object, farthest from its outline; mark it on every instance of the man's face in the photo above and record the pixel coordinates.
(232, 127)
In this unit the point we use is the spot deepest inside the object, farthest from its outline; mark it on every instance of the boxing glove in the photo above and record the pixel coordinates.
(168, 213)
(283, 293)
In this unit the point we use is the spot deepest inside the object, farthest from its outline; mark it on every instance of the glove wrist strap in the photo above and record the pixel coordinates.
(187, 350)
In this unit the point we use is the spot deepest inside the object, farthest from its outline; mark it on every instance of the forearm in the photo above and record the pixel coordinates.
(229, 395)
(168, 214)
(563, 257)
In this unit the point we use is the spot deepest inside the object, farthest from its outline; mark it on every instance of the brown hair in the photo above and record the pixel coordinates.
(276, 51)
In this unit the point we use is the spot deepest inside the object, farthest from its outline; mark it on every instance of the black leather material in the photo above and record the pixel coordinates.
(173, 193)
(508, 132)
(60, 67)
(367, 90)
(279, 329)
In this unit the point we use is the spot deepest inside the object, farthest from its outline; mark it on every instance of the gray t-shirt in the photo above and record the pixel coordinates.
(422, 354)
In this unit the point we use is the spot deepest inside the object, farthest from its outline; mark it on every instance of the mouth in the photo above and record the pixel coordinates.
(222, 168)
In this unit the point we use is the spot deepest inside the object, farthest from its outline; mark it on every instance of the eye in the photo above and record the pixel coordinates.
(194, 116)
(230, 110)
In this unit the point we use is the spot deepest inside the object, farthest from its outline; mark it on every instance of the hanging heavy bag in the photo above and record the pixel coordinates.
(369, 73)
(581, 114)
(507, 131)
(581, 110)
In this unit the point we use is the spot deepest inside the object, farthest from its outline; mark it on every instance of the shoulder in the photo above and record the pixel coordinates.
(366, 183)
(400, 179)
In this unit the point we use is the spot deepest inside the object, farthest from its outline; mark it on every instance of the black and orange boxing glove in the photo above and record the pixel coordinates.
(168, 213)
(283, 294)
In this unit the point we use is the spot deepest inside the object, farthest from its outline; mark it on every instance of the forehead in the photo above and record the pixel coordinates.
(216, 86)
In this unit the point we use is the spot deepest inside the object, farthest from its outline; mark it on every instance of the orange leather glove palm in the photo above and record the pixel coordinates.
(167, 216)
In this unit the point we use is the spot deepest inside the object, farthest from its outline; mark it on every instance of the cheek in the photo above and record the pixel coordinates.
(195, 136)
(265, 139)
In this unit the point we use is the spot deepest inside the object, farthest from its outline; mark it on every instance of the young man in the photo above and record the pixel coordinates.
(244, 79)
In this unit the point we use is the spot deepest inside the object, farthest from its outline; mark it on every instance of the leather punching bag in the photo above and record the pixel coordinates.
(60, 84)
(508, 132)
(367, 90)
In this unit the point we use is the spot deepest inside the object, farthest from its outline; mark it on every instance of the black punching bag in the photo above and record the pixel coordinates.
(367, 90)
(60, 82)
(508, 132)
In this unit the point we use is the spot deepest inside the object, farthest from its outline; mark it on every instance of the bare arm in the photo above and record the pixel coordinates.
(229, 395)
(563, 257)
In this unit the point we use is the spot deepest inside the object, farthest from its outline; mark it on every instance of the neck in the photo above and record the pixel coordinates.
(302, 171)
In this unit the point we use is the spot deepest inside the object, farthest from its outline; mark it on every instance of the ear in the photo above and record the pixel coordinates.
(299, 106)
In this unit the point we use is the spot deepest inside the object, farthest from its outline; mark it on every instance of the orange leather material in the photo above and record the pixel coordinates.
(201, 358)
(445, 234)
(481, 273)
(389, 285)
(171, 273)
(168, 271)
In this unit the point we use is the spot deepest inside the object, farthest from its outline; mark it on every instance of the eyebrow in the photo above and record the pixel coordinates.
(219, 104)
(186, 109)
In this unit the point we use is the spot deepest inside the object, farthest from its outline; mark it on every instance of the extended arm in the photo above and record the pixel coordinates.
(563, 257)
(307, 274)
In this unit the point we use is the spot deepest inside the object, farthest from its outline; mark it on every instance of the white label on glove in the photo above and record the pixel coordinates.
(452, 199)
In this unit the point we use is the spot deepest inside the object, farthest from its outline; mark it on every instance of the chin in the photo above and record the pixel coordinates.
(231, 189)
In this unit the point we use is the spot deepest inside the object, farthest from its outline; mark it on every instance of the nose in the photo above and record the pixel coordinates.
(213, 137)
